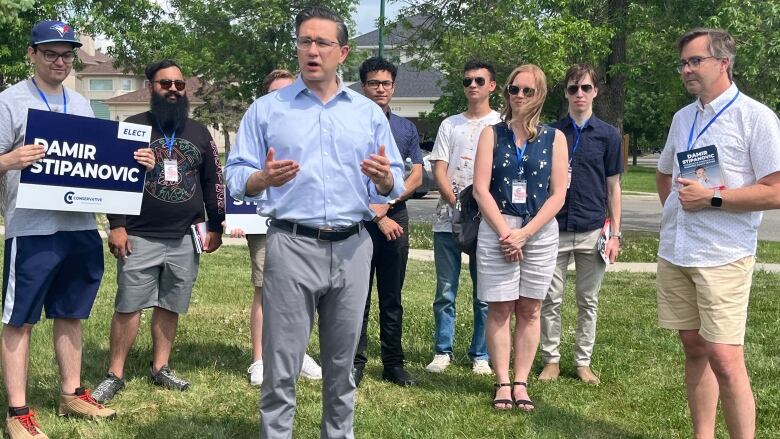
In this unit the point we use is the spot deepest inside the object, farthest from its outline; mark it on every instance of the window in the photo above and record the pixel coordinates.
(100, 109)
(127, 84)
(101, 85)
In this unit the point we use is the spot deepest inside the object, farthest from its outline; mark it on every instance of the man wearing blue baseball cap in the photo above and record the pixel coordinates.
(53, 260)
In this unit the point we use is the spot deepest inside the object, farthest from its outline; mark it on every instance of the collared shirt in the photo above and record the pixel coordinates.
(747, 136)
(328, 140)
(406, 138)
(599, 155)
(456, 144)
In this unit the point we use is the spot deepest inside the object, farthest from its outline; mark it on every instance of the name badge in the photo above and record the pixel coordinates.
(519, 191)
(171, 170)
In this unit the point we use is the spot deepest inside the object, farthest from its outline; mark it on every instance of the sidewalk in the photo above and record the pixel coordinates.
(634, 267)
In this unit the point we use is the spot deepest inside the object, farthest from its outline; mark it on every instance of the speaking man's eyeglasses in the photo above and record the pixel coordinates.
(574, 88)
(479, 80)
(527, 91)
(166, 84)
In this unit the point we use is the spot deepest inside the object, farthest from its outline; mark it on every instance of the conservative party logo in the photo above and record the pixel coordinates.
(61, 28)
(71, 197)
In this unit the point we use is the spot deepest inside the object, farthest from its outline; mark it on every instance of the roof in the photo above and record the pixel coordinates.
(396, 33)
(102, 68)
(142, 96)
(413, 83)
(88, 59)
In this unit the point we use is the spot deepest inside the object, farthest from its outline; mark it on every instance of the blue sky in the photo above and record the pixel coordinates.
(368, 12)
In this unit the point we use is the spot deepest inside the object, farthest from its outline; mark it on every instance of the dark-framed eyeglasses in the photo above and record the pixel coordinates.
(51, 56)
(574, 88)
(321, 43)
(479, 80)
(373, 83)
(514, 90)
(166, 84)
(693, 62)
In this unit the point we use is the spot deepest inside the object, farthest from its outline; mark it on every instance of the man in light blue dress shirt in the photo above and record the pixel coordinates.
(314, 155)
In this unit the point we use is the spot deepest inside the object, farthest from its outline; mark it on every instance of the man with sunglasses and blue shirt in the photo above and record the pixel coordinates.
(595, 166)
(157, 256)
(453, 170)
(53, 260)
(707, 247)
(314, 155)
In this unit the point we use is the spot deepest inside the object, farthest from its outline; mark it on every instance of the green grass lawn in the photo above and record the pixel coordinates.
(642, 394)
(638, 179)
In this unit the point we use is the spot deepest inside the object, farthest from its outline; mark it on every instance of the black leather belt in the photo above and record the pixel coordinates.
(325, 234)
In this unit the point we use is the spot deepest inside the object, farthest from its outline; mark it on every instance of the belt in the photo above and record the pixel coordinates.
(324, 234)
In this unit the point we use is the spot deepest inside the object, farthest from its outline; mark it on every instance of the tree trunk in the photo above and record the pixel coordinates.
(613, 94)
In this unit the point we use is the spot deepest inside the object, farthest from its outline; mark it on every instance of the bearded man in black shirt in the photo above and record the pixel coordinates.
(158, 251)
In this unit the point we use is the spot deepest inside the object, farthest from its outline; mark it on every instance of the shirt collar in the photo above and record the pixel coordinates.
(592, 122)
(299, 87)
(720, 101)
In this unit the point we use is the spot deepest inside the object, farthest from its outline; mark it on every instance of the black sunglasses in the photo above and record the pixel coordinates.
(166, 84)
(574, 88)
(479, 80)
(527, 91)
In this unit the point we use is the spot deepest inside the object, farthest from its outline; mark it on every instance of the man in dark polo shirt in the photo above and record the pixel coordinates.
(389, 231)
(595, 165)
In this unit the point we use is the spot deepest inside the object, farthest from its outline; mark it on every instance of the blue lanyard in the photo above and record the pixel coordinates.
(46, 101)
(691, 140)
(577, 132)
(168, 140)
(519, 153)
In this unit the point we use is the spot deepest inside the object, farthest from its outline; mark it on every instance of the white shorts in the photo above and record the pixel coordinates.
(502, 281)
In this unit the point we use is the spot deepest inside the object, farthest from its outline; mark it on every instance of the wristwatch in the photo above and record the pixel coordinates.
(618, 235)
(716, 200)
(392, 202)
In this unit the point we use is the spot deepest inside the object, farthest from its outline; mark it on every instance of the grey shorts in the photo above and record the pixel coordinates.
(257, 255)
(502, 281)
(159, 272)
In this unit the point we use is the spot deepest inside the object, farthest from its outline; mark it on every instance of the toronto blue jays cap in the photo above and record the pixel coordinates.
(53, 32)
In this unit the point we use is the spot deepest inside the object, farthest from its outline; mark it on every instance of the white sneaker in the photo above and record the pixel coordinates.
(255, 372)
(310, 368)
(481, 367)
(439, 363)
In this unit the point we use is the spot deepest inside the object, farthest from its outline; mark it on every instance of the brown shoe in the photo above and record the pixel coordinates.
(24, 426)
(550, 372)
(84, 405)
(587, 376)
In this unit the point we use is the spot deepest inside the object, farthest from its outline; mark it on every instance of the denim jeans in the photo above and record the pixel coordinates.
(447, 256)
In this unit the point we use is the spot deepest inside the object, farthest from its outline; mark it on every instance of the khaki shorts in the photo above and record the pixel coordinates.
(713, 300)
(257, 254)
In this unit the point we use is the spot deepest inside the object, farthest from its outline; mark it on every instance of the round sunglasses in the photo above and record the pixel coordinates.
(514, 90)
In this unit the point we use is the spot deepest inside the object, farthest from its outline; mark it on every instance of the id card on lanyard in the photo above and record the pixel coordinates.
(46, 101)
(519, 185)
(170, 165)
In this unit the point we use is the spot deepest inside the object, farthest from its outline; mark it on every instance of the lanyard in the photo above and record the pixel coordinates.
(46, 101)
(578, 132)
(168, 140)
(691, 140)
(519, 153)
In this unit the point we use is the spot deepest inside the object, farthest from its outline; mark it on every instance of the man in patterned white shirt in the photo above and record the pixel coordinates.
(453, 169)
(708, 236)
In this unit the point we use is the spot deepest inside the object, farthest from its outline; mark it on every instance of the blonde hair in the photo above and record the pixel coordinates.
(530, 113)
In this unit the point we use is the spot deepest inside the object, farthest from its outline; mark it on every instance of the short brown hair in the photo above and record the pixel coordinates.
(273, 76)
(578, 71)
(721, 44)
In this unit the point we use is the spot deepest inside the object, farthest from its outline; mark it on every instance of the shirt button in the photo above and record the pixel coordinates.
(326, 153)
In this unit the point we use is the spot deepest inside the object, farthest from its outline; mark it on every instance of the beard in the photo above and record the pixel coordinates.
(169, 114)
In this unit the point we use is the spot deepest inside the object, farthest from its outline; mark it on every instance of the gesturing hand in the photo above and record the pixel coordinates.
(377, 168)
(278, 172)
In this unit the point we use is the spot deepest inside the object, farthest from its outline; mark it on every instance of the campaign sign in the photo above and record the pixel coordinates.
(243, 215)
(88, 167)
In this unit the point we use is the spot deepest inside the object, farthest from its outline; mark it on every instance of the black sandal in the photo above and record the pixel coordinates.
(520, 402)
(508, 402)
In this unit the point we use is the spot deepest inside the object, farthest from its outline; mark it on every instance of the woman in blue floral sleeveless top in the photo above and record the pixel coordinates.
(520, 174)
